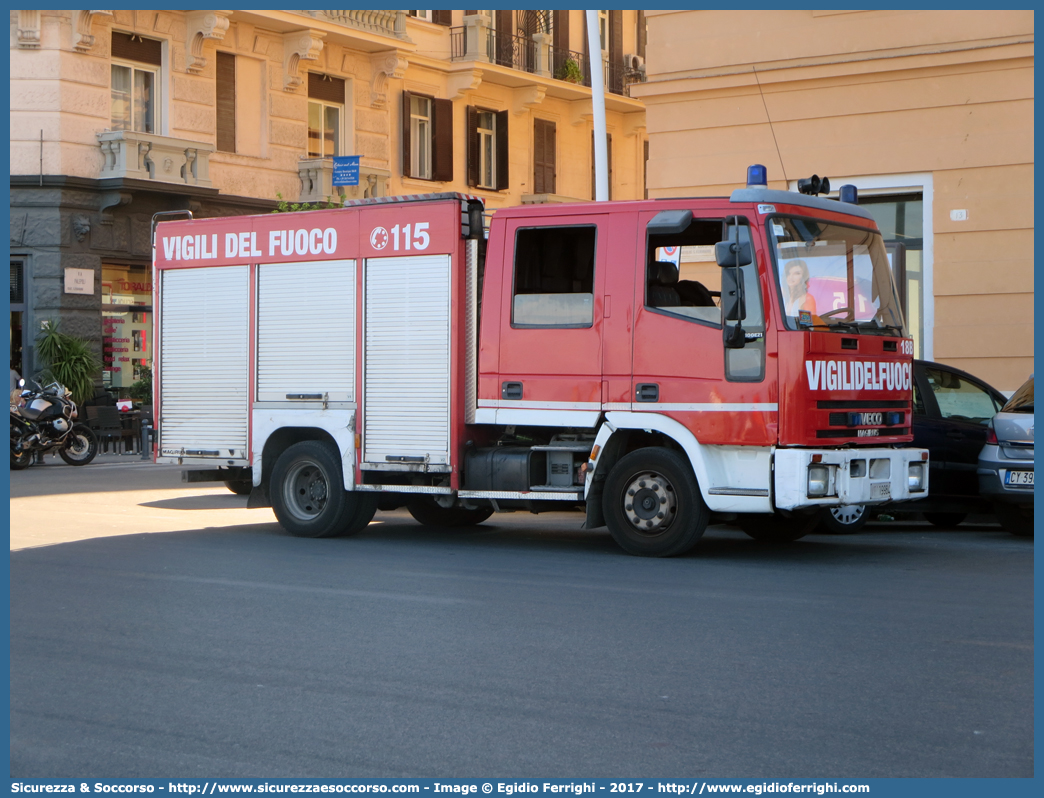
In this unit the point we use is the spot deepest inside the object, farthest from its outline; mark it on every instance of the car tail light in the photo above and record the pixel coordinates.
(991, 434)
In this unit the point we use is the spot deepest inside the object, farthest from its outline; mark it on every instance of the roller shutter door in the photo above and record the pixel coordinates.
(406, 411)
(203, 362)
(306, 330)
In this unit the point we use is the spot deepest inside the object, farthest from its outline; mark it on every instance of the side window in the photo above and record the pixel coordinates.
(681, 277)
(554, 277)
(960, 399)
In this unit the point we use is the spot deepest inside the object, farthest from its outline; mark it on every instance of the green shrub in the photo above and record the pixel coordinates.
(69, 360)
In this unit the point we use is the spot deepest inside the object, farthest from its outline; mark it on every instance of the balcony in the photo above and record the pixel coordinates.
(476, 41)
(145, 156)
(384, 23)
(317, 182)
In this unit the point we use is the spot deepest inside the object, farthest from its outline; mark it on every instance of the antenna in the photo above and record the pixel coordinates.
(772, 129)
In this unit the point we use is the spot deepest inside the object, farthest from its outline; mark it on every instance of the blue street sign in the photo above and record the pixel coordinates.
(346, 170)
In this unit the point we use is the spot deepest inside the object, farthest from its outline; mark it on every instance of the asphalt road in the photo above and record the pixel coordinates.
(161, 629)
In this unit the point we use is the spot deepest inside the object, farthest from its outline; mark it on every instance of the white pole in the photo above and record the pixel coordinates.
(594, 48)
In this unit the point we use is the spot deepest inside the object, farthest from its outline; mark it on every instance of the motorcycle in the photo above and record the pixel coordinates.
(44, 420)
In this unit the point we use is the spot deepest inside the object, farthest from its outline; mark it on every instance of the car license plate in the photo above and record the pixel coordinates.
(1018, 478)
(880, 490)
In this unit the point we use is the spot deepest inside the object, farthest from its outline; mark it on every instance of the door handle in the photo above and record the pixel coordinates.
(647, 392)
(511, 390)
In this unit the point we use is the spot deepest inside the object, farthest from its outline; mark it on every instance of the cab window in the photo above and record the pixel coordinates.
(554, 277)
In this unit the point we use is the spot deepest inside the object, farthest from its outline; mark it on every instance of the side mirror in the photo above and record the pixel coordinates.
(732, 253)
(732, 304)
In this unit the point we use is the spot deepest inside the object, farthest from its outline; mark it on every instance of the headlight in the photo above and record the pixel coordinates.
(915, 477)
(818, 480)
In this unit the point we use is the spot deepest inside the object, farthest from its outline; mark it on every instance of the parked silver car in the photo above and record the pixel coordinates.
(1005, 467)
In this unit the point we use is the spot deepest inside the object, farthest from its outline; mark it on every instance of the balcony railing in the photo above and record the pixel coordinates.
(145, 156)
(527, 55)
(386, 23)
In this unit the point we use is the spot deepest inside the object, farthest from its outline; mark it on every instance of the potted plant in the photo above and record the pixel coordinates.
(570, 72)
(69, 360)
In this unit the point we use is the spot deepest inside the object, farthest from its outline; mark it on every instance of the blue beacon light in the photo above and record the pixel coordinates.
(757, 175)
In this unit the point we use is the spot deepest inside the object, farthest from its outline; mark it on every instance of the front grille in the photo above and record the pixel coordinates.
(883, 432)
(861, 404)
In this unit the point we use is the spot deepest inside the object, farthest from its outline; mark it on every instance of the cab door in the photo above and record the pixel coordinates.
(552, 319)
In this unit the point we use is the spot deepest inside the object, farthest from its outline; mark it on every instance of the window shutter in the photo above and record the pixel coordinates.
(442, 140)
(225, 91)
(17, 282)
(135, 48)
(642, 34)
(502, 151)
(326, 88)
(560, 33)
(543, 157)
(442, 18)
(473, 145)
(406, 134)
(615, 51)
(505, 23)
(469, 13)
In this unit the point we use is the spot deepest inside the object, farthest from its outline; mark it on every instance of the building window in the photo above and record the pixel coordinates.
(126, 299)
(325, 115)
(487, 149)
(225, 102)
(17, 314)
(426, 15)
(603, 31)
(554, 277)
(427, 137)
(544, 150)
(135, 72)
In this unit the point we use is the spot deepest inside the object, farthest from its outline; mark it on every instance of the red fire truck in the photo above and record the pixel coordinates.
(660, 364)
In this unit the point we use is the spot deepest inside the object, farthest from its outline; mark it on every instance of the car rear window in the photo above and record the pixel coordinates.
(1022, 400)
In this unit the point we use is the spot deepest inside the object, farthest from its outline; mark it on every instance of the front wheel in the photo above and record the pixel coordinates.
(308, 495)
(428, 512)
(21, 459)
(777, 527)
(80, 447)
(844, 520)
(652, 504)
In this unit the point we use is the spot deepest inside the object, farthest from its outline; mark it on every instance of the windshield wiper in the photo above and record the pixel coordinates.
(848, 326)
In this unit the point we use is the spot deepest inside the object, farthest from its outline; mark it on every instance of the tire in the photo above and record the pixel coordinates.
(426, 511)
(1015, 519)
(307, 492)
(844, 520)
(80, 447)
(20, 460)
(945, 520)
(652, 504)
(778, 528)
(365, 510)
(240, 487)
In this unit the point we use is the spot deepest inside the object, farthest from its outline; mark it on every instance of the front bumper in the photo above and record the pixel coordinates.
(852, 476)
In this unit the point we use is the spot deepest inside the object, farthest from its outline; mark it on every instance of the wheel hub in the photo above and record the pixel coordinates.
(650, 503)
(848, 514)
(306, 491)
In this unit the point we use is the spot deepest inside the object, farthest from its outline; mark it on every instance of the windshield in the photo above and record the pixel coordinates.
(833, 277)
(1022, 400)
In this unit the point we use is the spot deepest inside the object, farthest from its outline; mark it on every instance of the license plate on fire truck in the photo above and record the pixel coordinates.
(880, 490)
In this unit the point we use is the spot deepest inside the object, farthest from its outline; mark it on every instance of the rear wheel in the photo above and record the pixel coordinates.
(308, 494)
(777, 527)
(1015, 519)
(652, 504)
(426, 511)
(80, 447)
(945, 520)
(844, 520)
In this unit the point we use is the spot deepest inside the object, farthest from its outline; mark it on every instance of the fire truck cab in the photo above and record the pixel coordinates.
(659, 364)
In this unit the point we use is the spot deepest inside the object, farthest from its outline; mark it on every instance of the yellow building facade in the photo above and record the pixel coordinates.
(929, 113)
(116, 115)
